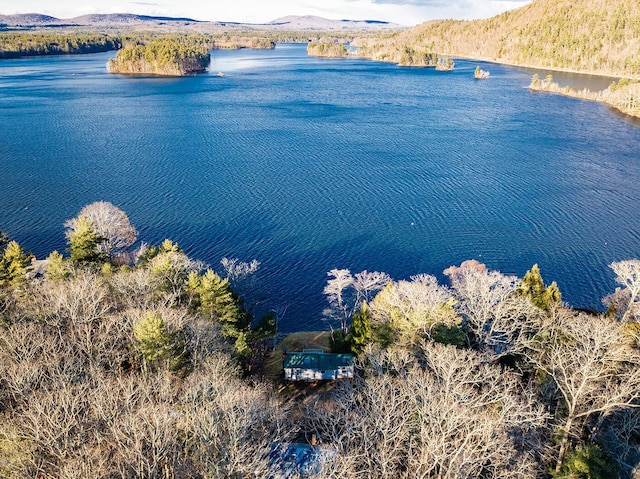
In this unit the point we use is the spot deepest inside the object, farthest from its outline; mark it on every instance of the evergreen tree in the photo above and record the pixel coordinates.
(215, 299)
(588, 461)
(156, 343)
(150, 252)
(532, 286)
(13, 265)
(535, 80)
(169, 271)
(360, 331)
(84, 241)
(57, 268)
(266, 327)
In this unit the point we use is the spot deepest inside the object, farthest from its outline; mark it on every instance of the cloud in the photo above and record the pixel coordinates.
(415, 3)
(421, 10)
(439, 3)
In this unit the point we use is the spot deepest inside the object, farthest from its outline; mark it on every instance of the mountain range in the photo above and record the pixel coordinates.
(308, 22)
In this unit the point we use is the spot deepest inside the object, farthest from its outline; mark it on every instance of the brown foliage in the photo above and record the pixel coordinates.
(73, 386)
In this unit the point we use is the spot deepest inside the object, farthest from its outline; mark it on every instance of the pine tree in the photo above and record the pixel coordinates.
(57, 268)
(215, 298)
(154, 340)
(156, 343)
(13, 265)
(84, 241)
(360, 331)
(588, 461)
(532, 286)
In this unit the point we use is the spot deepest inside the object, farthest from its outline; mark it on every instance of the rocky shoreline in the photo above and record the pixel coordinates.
(624, 95)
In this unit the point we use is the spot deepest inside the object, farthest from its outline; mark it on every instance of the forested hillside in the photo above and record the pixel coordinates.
(601, 37)
(122, 360)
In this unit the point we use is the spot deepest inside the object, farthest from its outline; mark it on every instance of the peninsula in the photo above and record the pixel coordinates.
(623, 95)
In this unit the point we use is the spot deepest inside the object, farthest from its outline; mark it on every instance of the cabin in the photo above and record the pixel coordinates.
(316, 365)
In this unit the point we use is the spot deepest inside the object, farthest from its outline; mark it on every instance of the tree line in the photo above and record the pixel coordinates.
(326, 49)
(19, 44)
(14, 45)
(128, 360)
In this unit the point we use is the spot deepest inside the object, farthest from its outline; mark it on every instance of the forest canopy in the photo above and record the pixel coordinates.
(176, 55)
(139, 361)
(14, 45)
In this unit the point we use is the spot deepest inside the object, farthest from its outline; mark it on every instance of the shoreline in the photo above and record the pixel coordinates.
(549, 69)
(514, 64)
(606, 96)
(622, 98)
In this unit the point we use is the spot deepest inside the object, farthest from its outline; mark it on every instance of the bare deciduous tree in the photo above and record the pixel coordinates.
(457, 416)
(367, 283)
(112, 224)
(341, 307)
(594, 368)
(346, 292)
(71, 385)
(231, 427)
(134, 289)
(237, 270)
(628, 275)
(495, 316)
(82, 299)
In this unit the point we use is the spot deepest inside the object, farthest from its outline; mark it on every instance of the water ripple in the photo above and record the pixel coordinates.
(311, 164)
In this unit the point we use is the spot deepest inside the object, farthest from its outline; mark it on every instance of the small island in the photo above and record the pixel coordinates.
(326, 49)
(480, 74)
(161, 57)
(445, 65)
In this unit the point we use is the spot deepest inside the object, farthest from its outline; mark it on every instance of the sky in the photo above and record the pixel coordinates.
(403, 12)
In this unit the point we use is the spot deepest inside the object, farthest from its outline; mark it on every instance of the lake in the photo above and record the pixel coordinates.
(310, 164)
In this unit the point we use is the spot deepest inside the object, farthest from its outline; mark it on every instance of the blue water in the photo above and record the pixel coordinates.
(310, 164)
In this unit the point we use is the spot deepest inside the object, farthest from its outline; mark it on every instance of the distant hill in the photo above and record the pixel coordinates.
(29, 19)
(111, 19)
(601, 37)
(124, 18)
(310, 22)
(129, 20)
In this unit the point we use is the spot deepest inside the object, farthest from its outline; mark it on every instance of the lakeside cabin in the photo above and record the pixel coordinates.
(315, 365)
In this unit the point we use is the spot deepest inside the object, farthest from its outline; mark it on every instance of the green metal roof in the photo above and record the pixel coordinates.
(313, 359)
